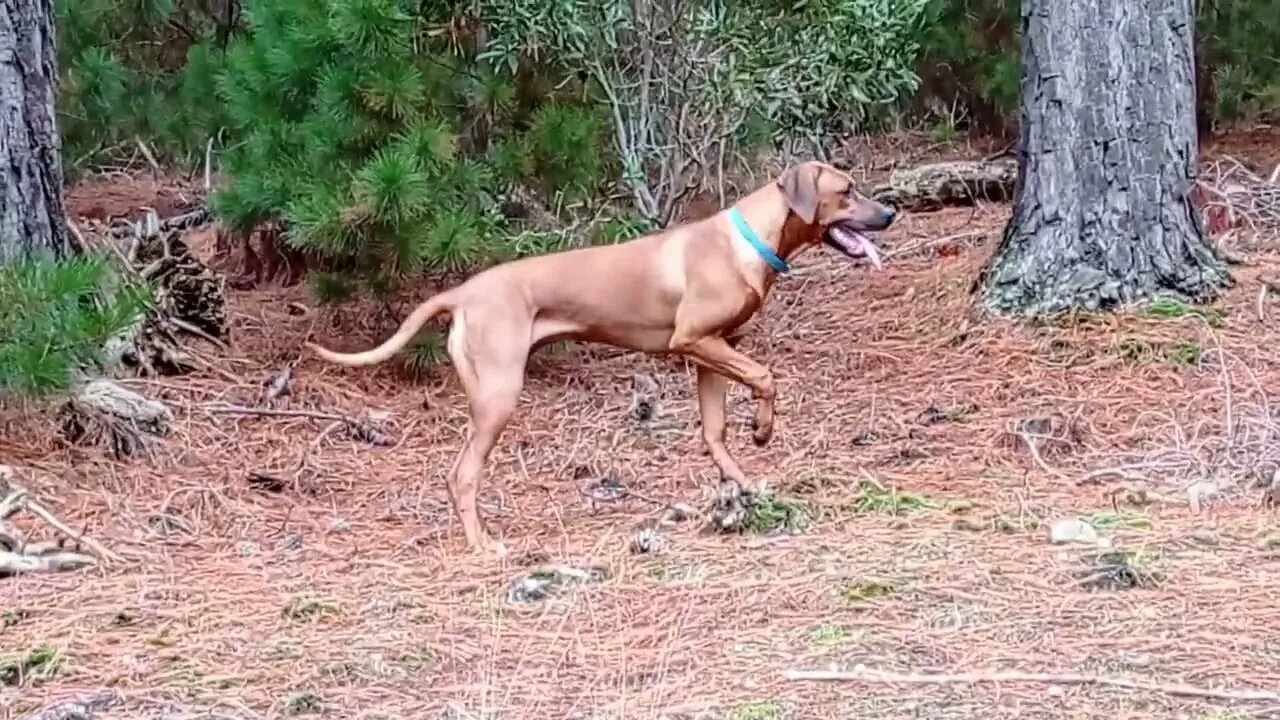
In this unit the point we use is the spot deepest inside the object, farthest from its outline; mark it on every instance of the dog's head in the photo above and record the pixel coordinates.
(833, 210)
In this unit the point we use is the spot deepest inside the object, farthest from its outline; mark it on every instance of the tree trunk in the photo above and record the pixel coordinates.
(31, 208)
(1102, 216)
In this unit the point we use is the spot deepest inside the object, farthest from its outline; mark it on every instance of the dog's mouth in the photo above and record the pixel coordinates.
(852, 242)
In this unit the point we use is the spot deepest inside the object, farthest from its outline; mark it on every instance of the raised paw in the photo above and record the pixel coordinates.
(762, 431)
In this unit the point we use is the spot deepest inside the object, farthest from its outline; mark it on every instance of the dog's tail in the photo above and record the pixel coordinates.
(433, 306)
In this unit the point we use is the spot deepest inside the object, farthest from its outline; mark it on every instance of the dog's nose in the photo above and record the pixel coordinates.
(888, 215)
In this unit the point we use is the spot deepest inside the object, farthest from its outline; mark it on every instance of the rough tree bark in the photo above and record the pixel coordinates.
(1102, 216)
(31, 206)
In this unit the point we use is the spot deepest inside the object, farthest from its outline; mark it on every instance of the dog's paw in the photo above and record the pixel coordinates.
(488, 548)
(497, 550)
(762, 433)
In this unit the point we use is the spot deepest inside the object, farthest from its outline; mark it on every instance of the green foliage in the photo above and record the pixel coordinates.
(382, 152)
(555, 133)
(33, 666)
(622, 228)
(141, 70)
(777, 513)
(687, 84)
(969, 61)
(1173, 308)
(57, 315)
(426, 352)
(1239, 40)
(828, 66)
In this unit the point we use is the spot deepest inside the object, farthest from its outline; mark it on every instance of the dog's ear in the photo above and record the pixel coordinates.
(799, 186)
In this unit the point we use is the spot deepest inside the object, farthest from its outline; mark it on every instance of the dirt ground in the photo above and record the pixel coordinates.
(906, 424)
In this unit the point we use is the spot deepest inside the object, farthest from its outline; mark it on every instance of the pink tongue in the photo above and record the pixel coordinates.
(857, 241)
(873, 254)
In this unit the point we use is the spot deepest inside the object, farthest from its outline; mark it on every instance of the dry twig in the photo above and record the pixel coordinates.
(19, 556)
(361, 429)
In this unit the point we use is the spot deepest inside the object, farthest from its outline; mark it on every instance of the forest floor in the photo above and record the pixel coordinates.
(345, 590)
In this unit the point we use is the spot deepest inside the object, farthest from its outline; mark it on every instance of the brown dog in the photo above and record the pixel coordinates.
(682, 290)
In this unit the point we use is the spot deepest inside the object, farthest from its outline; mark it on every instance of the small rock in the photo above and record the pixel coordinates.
(864, 438)
(190, 460)
(548, 581)
(1198, 494)
(677, 513)
(1140, 662)
(247, 548)
(1035, 426)
(608, 489)
(85, 707)
(648, 541)
(339, 525)
(1069, 530)
(292, 541)
(279, 384)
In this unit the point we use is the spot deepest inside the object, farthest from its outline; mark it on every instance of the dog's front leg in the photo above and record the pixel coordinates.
(714, 353)
(712, 387)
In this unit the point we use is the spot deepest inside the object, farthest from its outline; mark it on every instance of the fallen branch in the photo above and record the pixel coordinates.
(938, 185)
(19, 556)
(81, 708)
(927, 244)
(869, 676)
(187, 327)
(360, 428)
(1230, 195)
(12, 563)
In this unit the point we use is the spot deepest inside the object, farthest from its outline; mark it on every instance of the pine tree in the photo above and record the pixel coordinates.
(54, 313)
(134, 71)
(383, 151)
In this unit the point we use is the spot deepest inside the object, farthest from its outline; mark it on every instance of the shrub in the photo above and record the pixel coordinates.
(382, 151)
(686, 85)
(970, 71)
(133, 71)
(56, 317)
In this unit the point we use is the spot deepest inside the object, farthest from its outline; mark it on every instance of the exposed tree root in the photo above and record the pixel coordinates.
(102, 412)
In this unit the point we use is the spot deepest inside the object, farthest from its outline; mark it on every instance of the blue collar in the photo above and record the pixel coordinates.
(750, 236)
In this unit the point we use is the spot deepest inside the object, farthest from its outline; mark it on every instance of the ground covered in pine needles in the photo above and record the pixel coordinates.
(283, 566)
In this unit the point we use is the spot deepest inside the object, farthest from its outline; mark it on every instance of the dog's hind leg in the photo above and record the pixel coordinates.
(492, 373)
(712, 387)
